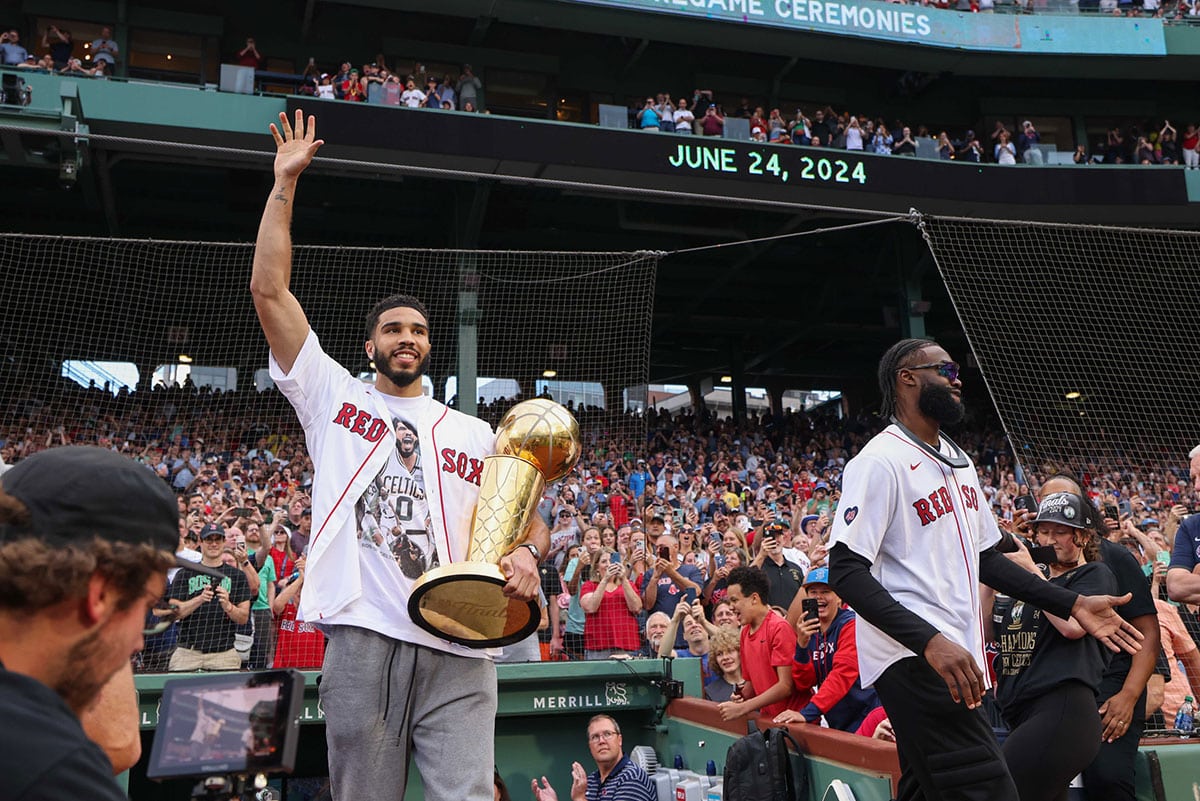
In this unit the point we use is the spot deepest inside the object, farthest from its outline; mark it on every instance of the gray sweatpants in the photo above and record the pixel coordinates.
(385, 699)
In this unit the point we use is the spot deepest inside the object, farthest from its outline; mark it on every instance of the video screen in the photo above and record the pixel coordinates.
(239, 723)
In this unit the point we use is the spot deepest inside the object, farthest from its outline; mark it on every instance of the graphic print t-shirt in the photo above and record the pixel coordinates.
(395, 534)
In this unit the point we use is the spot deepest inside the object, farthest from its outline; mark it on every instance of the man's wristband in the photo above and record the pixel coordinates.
(246, 563)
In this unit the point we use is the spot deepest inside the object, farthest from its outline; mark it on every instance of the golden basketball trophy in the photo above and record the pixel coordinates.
(537, 442)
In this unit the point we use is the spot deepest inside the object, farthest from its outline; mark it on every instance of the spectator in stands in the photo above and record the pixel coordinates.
(301, 535)
(1114, 151)
(712, 123)
(433, 98)
(785, 578)
(820, 128)
(683, 117)
(827, 658)
(616, 778)
(1005, 152)
(105, 49)
(573, 576)
(412, 97)
(298, 643)
(1183, 572)
(854, 135)
(1168, 147)
(1080, 156)
(75, 68)
(446, 91)
(1190, 146)
(688, 619)
(768, 646)
(800, 128)
(12, 54)
(882, 141)
(611, 604)
(58, 42)
(354, 89)
(946, 150)
(906, 145)
(668, 582)
(1027, 142)
(648, 118)
(970, 150)
(209, 614)
(467, 88)
(725, 664)
(1143, 152)
(249, 56)
(657, 626)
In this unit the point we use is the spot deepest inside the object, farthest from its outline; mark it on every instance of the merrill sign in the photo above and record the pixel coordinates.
(614, 695)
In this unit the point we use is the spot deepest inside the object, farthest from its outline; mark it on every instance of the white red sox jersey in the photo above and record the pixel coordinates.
(384, 510)
(921, 524)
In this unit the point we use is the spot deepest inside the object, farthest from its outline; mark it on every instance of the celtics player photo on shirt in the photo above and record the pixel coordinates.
(393, 515)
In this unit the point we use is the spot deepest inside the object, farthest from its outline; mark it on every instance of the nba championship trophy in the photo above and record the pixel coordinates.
(537, 442)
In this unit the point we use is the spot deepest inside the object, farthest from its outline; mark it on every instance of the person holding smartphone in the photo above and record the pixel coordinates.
(611, 604)
(668, 582)
(827, 657)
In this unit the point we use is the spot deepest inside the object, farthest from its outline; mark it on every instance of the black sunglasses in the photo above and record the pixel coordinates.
(947, 370)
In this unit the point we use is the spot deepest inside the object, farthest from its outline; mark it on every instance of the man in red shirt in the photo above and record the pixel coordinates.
(768, 645)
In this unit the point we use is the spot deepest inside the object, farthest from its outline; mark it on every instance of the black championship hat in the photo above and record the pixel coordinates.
(1065, 508)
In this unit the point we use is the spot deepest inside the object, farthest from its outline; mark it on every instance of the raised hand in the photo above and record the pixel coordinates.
(294, 147)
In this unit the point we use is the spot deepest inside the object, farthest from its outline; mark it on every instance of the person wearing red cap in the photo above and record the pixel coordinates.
(86, 539)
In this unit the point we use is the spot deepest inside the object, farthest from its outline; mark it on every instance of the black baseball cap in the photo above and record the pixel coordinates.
(1065, 508)
(78, 492)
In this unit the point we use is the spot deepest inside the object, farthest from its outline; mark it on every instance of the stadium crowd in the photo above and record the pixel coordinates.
(702, 115)
(650, 537)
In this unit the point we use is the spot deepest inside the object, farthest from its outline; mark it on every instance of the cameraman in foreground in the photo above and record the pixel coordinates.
(86, 538)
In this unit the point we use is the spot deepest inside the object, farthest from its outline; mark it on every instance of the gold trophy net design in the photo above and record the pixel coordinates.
(537, 443)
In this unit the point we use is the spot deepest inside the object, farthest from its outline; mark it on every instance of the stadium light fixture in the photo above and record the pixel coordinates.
(1074, 395)
(185, 359)
(549, 373)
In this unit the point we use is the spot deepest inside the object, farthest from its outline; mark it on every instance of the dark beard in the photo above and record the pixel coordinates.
(402, 378)
(937, 403)
(80, 688)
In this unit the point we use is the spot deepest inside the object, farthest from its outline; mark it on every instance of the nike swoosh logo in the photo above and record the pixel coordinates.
(914, 466)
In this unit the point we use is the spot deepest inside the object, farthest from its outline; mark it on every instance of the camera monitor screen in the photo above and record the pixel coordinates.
(230, 723)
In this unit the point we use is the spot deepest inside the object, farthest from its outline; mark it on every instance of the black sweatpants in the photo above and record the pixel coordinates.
(947, 752)
(1053, 738)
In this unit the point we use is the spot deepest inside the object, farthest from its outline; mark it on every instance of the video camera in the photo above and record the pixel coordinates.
(229, 732)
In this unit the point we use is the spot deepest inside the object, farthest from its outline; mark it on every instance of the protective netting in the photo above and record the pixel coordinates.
(153, 348)
(1086, 336)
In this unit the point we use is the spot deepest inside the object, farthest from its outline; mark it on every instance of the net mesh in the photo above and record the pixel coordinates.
(1086, 337)
(153, 348)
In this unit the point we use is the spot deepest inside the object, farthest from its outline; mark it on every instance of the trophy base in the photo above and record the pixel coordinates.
(465, 604)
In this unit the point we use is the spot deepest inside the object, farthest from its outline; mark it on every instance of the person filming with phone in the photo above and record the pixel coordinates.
(668, 582)
(827, 657)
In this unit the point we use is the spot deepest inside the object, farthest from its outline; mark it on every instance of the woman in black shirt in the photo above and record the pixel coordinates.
(1049, 670)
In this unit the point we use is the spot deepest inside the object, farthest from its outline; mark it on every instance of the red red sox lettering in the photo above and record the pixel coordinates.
(364, 424)
(939, 503)
(464, 466)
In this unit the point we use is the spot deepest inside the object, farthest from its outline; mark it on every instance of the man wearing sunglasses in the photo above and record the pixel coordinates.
(912, 539)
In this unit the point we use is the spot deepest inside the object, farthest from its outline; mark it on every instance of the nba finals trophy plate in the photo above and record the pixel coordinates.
(537, 443)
